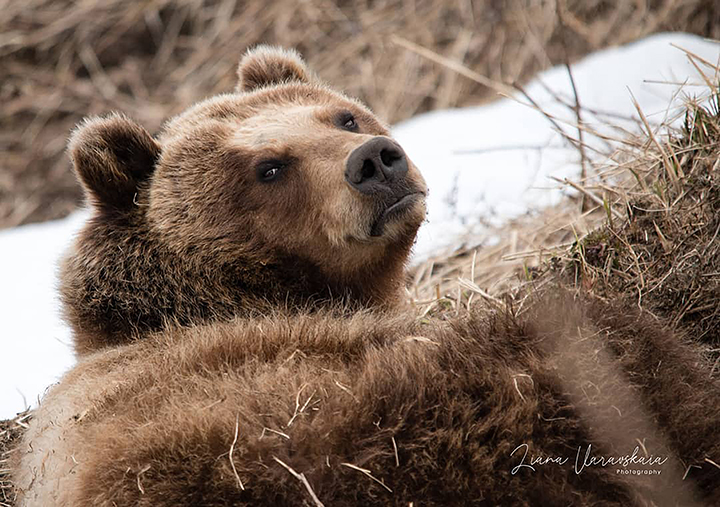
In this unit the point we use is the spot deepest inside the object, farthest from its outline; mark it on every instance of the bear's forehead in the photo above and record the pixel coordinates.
(276, 123)
(281, 109)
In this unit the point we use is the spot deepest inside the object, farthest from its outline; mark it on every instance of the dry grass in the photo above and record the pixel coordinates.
(651, 237)
(10, 432)
(666, 256)
(61, 60)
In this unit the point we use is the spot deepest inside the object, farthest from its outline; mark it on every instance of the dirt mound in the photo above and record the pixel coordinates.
(666, 257)
(62, 60)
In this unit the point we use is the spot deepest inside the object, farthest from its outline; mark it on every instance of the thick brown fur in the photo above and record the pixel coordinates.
(183, 230)
(206, 415)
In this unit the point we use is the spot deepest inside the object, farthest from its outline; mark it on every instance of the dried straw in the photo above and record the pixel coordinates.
(62, 60)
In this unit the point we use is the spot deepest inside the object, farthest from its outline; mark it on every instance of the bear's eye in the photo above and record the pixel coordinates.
(269, 170)
(270, 173)
(347, 121)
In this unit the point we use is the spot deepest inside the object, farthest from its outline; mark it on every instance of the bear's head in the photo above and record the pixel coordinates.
(283, 193)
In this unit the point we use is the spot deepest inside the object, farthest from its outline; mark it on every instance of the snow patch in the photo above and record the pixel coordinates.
(494, 162)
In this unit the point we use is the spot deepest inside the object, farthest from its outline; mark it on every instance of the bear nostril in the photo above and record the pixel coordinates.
(389, 156)
(378, 165)
(368, 170)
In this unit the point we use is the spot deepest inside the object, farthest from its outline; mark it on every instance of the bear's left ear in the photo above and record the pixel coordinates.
(267, 65)
(112, 156)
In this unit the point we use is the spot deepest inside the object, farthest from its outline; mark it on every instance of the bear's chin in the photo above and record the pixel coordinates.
(407, 210)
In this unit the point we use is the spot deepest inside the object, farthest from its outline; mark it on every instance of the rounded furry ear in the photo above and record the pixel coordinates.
(269, 65)
(112, 156)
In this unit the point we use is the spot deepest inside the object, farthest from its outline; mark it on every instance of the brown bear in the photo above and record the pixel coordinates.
(285, 193)
(572, 403)
(255, 247)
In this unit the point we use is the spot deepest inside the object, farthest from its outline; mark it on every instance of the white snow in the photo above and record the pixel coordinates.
(36, 341)
(492, 162)
(484, 163)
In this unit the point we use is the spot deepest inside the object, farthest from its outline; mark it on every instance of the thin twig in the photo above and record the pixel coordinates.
(284, 435)
(452, 64)
(581, 143)
(586, 192)
(397, 458)
(473, 287)
(301, 477)
(367, 472)
(232, 449)
(139, 484)
(666, 161)
(297, 405)
(712, 462)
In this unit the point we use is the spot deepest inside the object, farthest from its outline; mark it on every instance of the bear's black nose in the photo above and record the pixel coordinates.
(375, 165)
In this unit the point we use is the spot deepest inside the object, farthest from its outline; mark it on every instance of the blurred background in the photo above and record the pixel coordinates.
(61, 60)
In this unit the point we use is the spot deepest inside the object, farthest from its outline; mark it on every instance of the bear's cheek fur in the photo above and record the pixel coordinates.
(312, 213)
(404, 226)
(201, 193)
(311, 205)
(340, 213)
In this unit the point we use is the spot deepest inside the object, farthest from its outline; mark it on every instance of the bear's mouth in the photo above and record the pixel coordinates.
(394, 210)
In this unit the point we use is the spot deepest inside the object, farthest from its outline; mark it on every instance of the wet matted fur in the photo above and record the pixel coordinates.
(437, 414)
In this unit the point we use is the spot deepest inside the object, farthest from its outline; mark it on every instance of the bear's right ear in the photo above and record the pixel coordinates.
(112, 156)
(270, 65)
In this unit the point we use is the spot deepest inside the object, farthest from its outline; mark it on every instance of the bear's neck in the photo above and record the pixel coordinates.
(120, 283)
